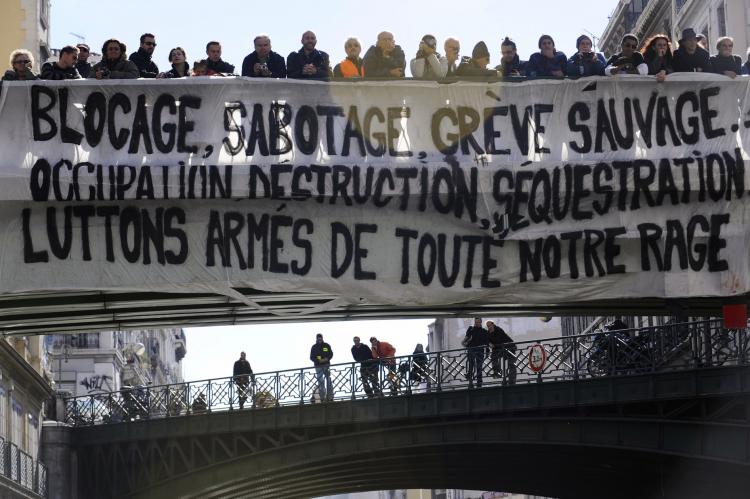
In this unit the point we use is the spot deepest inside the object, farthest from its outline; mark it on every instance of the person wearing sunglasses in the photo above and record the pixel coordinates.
(628, 60)
(114, 64)
(21, 62)
(142, 57)
(690, 57)
(64, 68)
(725, 62)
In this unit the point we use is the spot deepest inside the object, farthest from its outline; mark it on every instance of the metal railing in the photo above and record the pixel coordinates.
(671, 347)
(21, 468)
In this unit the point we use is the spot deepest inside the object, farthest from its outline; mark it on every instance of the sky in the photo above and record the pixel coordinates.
(190, 24)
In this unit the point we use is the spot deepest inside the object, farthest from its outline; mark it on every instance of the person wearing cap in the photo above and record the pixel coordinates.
(725, 62)
(321, 355)
(352, 66)
(429, 64)
(689, 57)
(386, 354)
(548, 62)
(585, 62)
(368, 367)
(385, 59)
(142, 57)
(511, 66)
(476, 66)
(83, 65)
(628, 60)
(452, 48)
(475, 341)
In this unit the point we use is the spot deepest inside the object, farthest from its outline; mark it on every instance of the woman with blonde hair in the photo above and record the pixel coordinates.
(21, 62)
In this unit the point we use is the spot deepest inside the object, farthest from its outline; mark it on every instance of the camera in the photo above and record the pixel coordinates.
(264, 66)
(104, 70)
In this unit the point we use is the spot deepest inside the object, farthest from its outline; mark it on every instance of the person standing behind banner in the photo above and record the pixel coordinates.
(83, 65)
(585, 62)
(321, 354)
(428, 63)
(548, 62)
(368, 368)
(243, 374)
(386, 353)
(689, 57)
(263, 62)
(475, 342)
(180, 66)
(114, 64)
(725, 63)
(21, 62)
(352, 66)
(628, 60)
(142, 57)
(657, 52)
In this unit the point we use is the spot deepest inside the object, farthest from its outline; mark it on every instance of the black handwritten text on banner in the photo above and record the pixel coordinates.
(404, 193)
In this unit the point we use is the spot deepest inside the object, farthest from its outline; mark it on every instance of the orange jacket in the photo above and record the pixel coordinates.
(384, 349)
(349, 70)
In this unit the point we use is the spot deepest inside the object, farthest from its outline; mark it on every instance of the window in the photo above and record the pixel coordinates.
(3, 413)
(32, 445)
(18, 424)
(705, 33)
(721, 19)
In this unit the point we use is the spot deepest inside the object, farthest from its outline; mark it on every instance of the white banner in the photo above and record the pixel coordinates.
(401, 193)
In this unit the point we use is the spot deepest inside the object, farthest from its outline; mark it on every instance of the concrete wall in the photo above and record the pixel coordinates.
(58, 456)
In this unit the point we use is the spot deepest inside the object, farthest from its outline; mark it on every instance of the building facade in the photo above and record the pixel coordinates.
(23, 393)
(25, 24)
(88, 363)
(644, 18)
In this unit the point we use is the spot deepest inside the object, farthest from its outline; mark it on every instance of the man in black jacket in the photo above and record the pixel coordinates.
(321, 355)
(243, 374)
(502, 346)
(368, 369)
(64, 68)
(83, 65)
(385, 59)
(690, 57)
(214, 64)
(475, 342)
(263, 62)
(308, 63)
(142, 58)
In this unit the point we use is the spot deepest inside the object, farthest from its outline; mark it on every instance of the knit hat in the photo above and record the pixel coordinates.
(430, 41)
(480, 50)
(688, 34)
(582, 38)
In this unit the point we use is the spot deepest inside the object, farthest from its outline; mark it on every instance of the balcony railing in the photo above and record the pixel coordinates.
(672, 347)
(20, 468)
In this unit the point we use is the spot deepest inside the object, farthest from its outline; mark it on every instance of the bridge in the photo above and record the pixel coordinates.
(656, 412)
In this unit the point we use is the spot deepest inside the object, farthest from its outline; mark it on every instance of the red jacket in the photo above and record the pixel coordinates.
(384, 349)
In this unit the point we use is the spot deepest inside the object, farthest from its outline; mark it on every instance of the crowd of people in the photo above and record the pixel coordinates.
(380, 369)
(386, 60)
